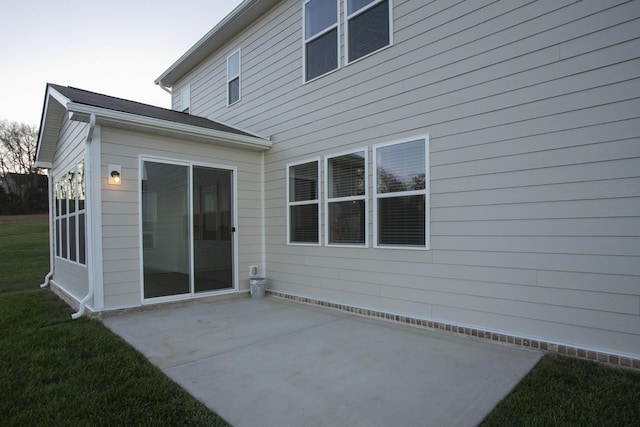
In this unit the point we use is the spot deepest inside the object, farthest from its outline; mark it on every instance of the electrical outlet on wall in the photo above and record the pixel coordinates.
(253, 270)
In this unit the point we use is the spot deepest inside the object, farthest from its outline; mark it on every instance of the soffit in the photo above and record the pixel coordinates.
(236, 22)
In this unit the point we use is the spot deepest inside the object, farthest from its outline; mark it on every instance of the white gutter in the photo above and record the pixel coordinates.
(184, 130)
(164, 88)
(51, 229)
(91, 282)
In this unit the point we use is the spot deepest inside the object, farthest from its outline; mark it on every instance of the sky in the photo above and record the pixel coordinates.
(113, 47)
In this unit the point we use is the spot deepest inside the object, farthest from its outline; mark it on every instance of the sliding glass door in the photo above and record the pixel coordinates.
(212, 229)
(187, 229)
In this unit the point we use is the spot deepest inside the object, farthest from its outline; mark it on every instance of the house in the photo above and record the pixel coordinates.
(470, 166)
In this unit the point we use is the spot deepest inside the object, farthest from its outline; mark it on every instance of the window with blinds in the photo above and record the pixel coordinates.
(346, 180)
(320, 37)
(401, 202)
(368, 27)
(303, 205)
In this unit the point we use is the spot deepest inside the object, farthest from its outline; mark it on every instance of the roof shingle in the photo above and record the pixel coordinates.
(93, 99)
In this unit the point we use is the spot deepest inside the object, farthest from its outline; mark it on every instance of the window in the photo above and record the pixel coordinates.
(368, 27)
(346, 189)
(70, 216)
(233, 77)
(303, 207)
(185, 99)
(401, 201)
(320, 37)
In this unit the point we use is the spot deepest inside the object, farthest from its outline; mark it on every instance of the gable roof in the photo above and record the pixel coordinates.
(238, 20)
(123, 113)
(84, 97)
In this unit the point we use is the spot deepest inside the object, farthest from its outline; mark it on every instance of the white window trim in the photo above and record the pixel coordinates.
(234, 197)
(426, 192)
(315, 36)
(77, 212)
(364, 197)
(305, 202)
(238, 76)
(353, 15)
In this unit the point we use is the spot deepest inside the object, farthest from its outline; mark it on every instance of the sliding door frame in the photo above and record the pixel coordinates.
(234, 235)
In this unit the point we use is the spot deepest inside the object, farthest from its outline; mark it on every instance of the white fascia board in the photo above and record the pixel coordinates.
(106, 116)
(235, 22)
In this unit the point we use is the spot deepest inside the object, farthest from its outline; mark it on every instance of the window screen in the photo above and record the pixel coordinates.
(368, 27)
(321, 37)
(346, 198)
(303, 203)
(70, 215)
(401, 194)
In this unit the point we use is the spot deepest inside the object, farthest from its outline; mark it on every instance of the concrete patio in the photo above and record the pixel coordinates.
(271, 363)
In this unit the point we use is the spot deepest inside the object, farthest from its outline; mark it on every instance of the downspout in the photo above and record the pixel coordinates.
(87, 151)
(51, 228)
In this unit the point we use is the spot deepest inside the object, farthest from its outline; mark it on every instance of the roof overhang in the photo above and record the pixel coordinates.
(56, 106)
(53, 112)
(118, 119)
(238, 20)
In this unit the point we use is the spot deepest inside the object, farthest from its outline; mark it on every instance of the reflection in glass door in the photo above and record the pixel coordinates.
(165, 239)
(177, 223)
(212, 229)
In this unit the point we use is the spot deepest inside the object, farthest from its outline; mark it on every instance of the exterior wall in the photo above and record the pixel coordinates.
(70, 276)
(121, 211)
(533, 113)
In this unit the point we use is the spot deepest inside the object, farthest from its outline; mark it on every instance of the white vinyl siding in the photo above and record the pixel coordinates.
(121, 227)
(303, 207)
(532, 111)
(347, 207)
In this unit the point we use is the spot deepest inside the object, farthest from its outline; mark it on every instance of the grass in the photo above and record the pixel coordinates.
(24, 255)
(56, 371)
(561, 391)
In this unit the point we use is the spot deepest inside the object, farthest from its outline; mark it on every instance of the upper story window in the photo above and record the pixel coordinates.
(346, 193)
(303, 214)
(233, 77)
(320, 37)
(401, 199)
(185, 99)
(368, 27)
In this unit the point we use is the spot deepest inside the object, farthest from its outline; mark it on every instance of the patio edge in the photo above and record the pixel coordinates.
(485, 335)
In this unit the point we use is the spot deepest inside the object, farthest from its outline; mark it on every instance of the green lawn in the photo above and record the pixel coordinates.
(24, 255)
(58, 371)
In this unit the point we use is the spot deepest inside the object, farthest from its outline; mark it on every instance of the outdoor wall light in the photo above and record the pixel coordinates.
(115, 177)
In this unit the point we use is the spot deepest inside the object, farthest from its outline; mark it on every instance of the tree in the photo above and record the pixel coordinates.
(21, 184)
